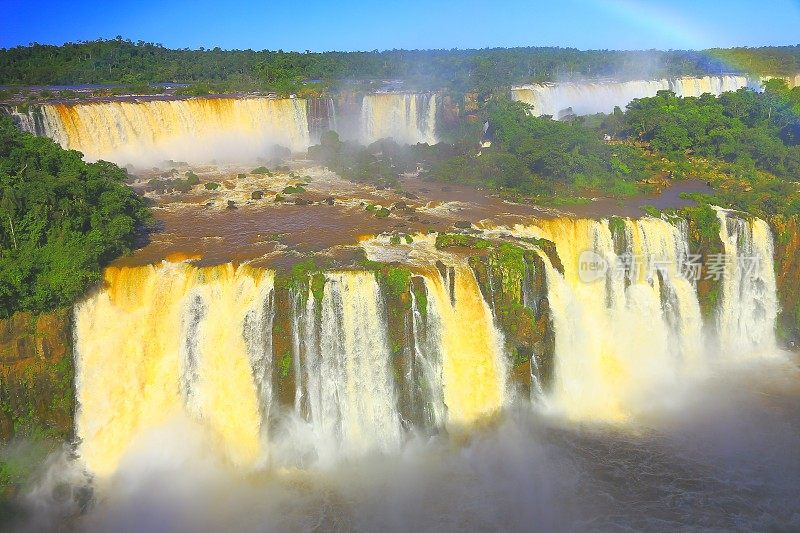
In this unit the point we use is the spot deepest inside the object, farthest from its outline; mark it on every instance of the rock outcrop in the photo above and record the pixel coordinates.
(36, 375)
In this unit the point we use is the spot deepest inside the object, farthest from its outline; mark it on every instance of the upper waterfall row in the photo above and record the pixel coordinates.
(586, 98)
(225, 129)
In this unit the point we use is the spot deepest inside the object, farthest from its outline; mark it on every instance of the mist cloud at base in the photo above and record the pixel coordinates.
(722, 455)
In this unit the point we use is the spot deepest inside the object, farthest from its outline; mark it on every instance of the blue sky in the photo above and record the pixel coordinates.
(349, 25)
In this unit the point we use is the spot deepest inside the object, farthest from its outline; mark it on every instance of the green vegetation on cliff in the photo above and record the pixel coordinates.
(554, 161)
(505, 273)
(746, 144)
(459, 240)
(36, 375)
(61, 221)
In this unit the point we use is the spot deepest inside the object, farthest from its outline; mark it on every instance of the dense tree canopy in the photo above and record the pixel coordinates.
(61, 221)
(538, 155)
(120, 61)
(754, 135)
(746, 144)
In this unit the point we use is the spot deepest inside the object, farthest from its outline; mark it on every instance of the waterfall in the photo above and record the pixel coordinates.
(429, 121)
(665, 248)
(194, 130)
(321, 117)
(427, 364)
(207, 130)
(30, 121)
(473, 365)
(622, 327)
(406, 118)
(173, 340)
(346, 366)
(169, 339)
(716, 85)
(586, 98)
(626, 317)
(748, 305)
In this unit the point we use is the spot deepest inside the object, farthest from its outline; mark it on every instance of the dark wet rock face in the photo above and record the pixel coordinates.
(36, 375)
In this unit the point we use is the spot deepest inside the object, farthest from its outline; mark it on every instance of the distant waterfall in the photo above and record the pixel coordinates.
(321, 117)
(748, 305)
(586, 98)
(30, 121)
(406, 118)
(222, 129)
(194, 130)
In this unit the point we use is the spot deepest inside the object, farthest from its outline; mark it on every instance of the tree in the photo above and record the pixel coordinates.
(63, 221)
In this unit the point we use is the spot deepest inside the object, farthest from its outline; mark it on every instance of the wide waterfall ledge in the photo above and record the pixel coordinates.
(440, 335)
(150, 132)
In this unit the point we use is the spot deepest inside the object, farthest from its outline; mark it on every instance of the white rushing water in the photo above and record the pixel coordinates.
(406, 118)
(197, 342)
(634, 324)
(748, 301)
(623, 331)
(195, 130)
(586, 98)
(170, 340)
(220, 129)
(347, 381)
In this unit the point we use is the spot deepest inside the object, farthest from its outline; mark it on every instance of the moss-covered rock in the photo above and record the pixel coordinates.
(786, 231)
(549, 249)
(303, 278)
(460, 240)
(704, 240)
(512, 279)
(293, 189)
(616, 226)
(283, 376)
(36, 376)
(420, 294)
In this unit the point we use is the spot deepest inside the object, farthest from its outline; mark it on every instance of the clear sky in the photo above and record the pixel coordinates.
(349, 25)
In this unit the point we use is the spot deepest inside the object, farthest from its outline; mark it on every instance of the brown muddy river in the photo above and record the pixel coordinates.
(332, 215)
